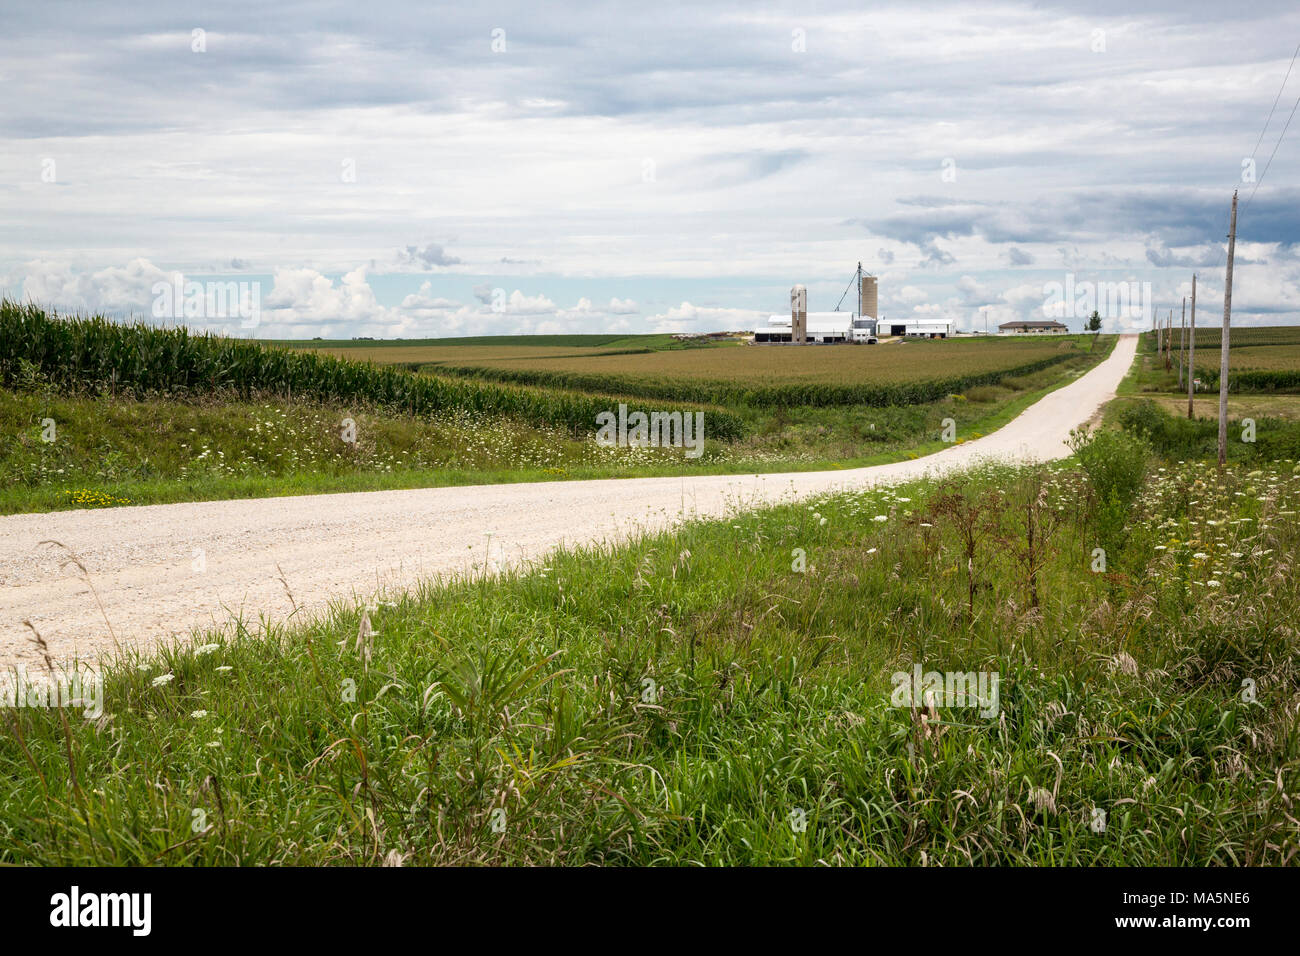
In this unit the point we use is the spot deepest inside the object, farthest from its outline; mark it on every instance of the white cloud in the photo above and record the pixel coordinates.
(305, 293)
(425, 299)
(761, 158)
(517, 303)
(114, 289)
(690, 318)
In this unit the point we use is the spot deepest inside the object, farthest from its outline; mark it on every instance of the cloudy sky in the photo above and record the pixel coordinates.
(416, 170)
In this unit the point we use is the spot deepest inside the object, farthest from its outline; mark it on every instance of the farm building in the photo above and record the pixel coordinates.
(862, 326)
(920, 328)
(826, 327)
(822, 327)
(1033, 328)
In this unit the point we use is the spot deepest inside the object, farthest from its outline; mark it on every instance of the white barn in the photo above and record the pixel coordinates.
(823, 327)
(918, 328)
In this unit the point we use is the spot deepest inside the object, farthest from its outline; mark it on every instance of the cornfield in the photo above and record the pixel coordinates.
(913, 374)
(1209, 333)
(96, 354)
(1266, 368)
(1260, 358)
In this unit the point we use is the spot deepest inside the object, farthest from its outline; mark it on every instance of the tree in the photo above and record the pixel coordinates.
(1094, 322)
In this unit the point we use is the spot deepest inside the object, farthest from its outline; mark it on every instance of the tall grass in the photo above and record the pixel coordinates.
(689, 698)
(1181, 438)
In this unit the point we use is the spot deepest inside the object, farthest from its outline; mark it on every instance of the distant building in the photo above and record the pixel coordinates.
(686, 336)
(863, 326)
(831, 327)
(918, 328)
(1033, 328)
(821, 327)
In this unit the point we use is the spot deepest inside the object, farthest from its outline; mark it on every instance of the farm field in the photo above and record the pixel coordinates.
(570, 342)
(419, 355)
(901, 361)
(1253, 405)
(1268, 357)
(901, 373)
(1151, 400)
(1265, 368)
(146, 415)
(1247, 336)
(1263, 360)
(434, 354)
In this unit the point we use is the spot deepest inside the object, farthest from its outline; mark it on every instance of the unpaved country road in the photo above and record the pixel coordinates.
(160, 570)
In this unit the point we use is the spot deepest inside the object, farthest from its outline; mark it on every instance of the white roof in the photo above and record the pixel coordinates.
(819, 319)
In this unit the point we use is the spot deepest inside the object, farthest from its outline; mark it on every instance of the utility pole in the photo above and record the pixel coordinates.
(1223, 344)
(1191, 354)
(1169, 341)
(1182, 342)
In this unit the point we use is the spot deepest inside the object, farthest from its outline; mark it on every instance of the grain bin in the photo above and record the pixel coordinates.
(798, 314)
(869, 297)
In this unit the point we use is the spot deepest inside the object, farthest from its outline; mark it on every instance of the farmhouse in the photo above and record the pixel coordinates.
(1033, 328)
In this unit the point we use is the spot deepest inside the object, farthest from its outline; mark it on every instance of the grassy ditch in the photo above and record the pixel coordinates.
(724, 694)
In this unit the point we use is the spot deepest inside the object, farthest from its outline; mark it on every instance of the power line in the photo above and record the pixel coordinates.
(1223, 249)
(1275, 100)
(1274, 153)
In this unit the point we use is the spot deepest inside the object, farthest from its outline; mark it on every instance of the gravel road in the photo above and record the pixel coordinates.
(160, 570)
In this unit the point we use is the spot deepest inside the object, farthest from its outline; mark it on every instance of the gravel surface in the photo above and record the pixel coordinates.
(160, 570)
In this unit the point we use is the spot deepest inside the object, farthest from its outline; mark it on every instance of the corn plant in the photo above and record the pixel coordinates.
(96, 354)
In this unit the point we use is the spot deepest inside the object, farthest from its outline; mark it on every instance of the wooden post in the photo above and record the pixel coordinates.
(1182, 342)
(1223, 344)
(1173, 356)
(1191, 355)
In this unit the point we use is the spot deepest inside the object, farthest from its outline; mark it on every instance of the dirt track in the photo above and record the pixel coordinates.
(162, 569)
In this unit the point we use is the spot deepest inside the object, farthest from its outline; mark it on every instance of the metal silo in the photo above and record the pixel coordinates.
(799, 314)
(869, 297)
